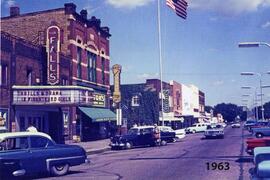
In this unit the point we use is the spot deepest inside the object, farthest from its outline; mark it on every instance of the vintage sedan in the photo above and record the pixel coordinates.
(236, 125)
(30, 153)
(214, 131)
(256, 142)
(140, 136)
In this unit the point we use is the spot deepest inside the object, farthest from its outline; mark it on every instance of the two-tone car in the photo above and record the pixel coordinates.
(197, 127)
(30, 153)
(141, 136)
(214, 131)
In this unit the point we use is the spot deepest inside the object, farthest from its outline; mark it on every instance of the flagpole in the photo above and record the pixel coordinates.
(160, 62)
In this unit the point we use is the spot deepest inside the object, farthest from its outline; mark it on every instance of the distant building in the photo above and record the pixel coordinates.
(141, 104)
(56, 72)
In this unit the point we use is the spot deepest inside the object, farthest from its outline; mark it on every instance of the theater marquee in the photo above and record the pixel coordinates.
(57, 95)
(53, 49)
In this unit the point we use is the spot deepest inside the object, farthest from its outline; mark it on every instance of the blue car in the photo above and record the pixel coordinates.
(30, 153)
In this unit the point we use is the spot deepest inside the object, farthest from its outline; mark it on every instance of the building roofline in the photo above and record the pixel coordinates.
(33, 13)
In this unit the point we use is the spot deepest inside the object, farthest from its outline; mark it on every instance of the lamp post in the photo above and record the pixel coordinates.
(261, 87)
(252, 44)
(254, 101)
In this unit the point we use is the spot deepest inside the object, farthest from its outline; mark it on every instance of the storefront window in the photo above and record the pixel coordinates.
(3, 119)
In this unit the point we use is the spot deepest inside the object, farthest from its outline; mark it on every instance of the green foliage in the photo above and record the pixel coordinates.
(228, 111)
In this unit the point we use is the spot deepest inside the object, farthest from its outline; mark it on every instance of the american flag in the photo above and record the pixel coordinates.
(179, 7)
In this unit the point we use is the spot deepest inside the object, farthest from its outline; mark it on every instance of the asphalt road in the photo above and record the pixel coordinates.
(185, 160)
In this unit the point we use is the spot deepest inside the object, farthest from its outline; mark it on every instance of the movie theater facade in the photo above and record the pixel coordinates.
(55, 69)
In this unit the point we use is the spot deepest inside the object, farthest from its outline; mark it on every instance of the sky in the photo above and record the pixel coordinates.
(201, 50)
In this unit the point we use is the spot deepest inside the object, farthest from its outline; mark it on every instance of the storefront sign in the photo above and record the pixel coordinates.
(53, 49)
(166, 104)
(58, 96)
(116, 69)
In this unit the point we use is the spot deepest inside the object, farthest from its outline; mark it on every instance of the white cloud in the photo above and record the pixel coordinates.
(231, 7)
(89, 8)
(8, 3)
(147, 76)
(266, 25)
(130, 4)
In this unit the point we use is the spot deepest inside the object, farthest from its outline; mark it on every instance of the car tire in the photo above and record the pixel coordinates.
(128, 145)
(259, 135)
(163, 143)
(60, 169)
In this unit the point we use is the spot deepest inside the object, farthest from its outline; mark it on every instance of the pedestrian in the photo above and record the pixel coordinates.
(31, 128)
(156, 134)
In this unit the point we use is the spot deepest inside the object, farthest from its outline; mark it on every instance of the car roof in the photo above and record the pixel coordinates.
(142, 127)
(26, 133)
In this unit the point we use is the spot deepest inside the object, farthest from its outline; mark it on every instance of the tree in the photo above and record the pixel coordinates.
(208, 109)
(228, 111)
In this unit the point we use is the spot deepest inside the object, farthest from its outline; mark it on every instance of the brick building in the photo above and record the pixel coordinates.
(64, 79)
(141, 104)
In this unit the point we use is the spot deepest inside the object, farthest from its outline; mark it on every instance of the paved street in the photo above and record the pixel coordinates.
(186, 159)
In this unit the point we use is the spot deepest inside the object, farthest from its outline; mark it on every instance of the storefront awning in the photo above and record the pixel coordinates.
(99, 114)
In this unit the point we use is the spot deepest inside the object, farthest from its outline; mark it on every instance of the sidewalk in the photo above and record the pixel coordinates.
(93, 147)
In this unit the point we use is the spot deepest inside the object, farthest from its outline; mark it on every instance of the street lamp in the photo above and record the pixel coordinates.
(252, 44)
(261, 86)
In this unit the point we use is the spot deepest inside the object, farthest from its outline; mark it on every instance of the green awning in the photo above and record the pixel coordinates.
(99, 114)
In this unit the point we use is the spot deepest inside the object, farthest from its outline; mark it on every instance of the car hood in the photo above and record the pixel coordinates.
(123, 137)
(213, 130)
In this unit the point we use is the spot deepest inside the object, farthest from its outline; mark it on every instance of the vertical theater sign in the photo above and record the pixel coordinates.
(53, 49)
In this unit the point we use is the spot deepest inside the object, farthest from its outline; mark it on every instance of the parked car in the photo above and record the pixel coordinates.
(262, 163)
(249, 123)
(197, 127)
(180, 133)
(29, 153)
(222, 124)
(236, 125)
(214, 131)
(136, 136)
(261, 132)
(259, 124)
(256, 142)
(167, 133)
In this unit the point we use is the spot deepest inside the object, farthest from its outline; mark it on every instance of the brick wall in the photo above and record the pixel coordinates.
(33, 26)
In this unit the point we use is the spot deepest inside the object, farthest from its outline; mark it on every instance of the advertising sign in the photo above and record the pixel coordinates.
(53, 49)
(58, 96)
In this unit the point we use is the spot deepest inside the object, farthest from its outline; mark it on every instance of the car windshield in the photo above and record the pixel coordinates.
(133, 131)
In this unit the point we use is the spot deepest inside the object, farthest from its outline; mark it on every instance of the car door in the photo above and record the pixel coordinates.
(41, 149)
(148, 136)
(15, 156)
(199, 127)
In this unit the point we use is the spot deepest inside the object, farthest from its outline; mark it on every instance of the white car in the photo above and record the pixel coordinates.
(179, 133)
(235, 125)
(197, 127)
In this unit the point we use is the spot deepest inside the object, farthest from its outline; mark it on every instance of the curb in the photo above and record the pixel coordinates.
(97, 151)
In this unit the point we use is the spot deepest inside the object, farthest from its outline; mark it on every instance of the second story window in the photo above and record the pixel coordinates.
(103, 70)
(3, 74)
(79, 60)
(135, 101)
(64, 81)
(91, 66)
(29, 77)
